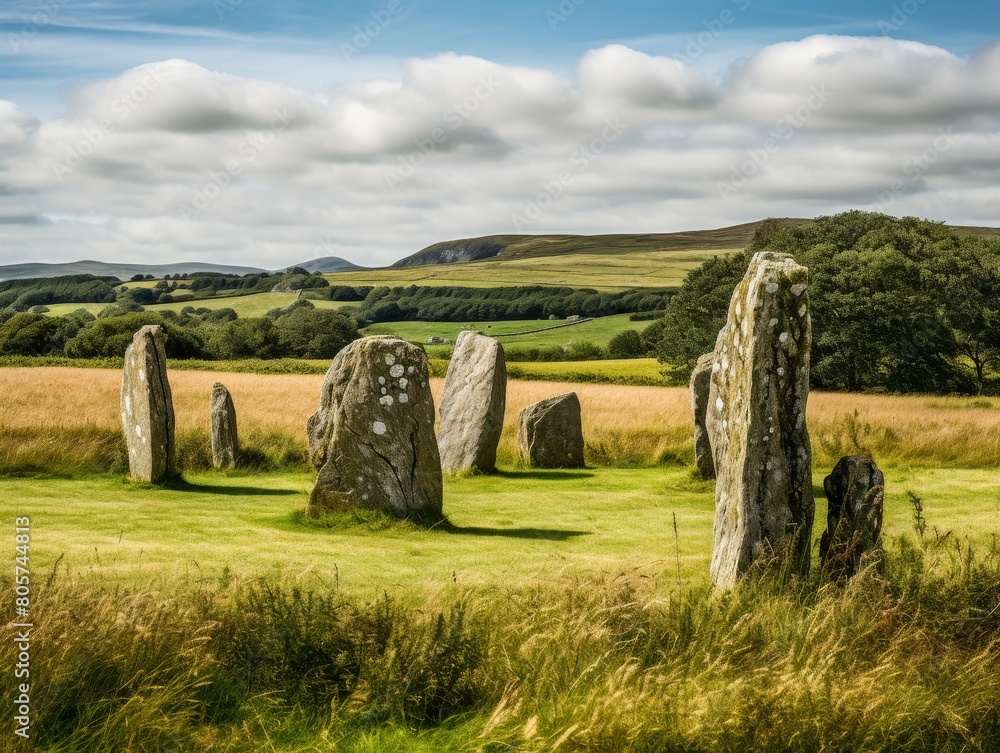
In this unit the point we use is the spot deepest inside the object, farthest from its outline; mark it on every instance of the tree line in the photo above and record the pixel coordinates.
(898, 305)
(464, 304)
(297, 331)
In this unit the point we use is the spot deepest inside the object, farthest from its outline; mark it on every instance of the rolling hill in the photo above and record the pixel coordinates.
(125, 270)
(532, 246)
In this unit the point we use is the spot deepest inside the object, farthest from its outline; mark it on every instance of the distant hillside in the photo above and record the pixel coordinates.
(527, 246)
(534, 246)
(328, 264)
(124, 271)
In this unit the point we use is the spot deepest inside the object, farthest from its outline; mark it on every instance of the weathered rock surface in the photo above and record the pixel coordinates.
(764, 503)
(472, 405)
(855, 492)
(701, 383)
(550, 433)
(147, 407)
(225, 440)
(372, 438)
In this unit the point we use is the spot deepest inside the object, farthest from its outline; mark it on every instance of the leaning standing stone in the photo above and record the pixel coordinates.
(225, 441)
(147, 407)
(472, 405)
(701, 382)
(372, 438)
(757, 422)
(855, 491)
(550, 433)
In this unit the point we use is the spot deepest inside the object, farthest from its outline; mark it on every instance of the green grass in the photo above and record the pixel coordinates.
(598, 331)
(255, 304)
(605, 272)
(62, 309)
(562, 614)
(635, 371)
(520, 526)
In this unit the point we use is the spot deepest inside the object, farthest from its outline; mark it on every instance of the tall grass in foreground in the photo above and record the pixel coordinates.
(904, 660)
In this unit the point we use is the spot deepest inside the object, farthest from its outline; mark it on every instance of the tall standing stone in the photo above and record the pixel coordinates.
(550, 433)
(855, 492)
(701, 383)
(225, 440)
(147, 407)
(757, 422)
(472, 405)
(372, 438)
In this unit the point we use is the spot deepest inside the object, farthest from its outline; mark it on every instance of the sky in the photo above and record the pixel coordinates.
(268, 133)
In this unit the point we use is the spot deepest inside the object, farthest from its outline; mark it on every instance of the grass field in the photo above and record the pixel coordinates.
(598, 331)
(623, 425)
(562, 610)
(605, 272)
(256, 304)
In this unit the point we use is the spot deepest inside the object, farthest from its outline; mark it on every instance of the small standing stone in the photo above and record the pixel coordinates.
(372, 438)
(147, 407)
(855, 492)
(550, 433)
(757, 422)
(225, 440)
(472, 405)
(701, 383)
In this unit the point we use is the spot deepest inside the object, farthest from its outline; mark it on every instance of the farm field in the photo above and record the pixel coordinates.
(598, 331)
(256, 304)
(605, 272)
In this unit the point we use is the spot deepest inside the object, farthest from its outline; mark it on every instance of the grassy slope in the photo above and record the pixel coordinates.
(599, 331)
(520, 526)
(256, 304)
(606, 272)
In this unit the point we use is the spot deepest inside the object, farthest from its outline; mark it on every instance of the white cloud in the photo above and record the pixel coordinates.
(455, 145)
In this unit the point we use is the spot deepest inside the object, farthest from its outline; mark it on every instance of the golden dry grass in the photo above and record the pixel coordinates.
(622, 425)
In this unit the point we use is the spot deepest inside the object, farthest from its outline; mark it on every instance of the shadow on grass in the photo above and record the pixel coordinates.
(180, 485)
(543, 474)
(544, 534)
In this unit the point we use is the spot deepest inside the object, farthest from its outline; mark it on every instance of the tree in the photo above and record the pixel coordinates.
(27, 334)
(627, 344)
(315, 333)
(897, 304)
(245, 338)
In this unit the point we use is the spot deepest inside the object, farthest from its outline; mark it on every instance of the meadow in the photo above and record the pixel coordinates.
(605, 272)
(557, 610)
(597, 331)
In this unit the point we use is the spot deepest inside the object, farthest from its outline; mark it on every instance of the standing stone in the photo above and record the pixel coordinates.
(225, 441)
(550, 433)
(147, 407)
(372, 438)
(757, 422)
(472, 405)
(701, 382)
(855, 491)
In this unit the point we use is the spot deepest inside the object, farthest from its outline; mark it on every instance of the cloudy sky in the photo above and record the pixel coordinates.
(266, 133)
